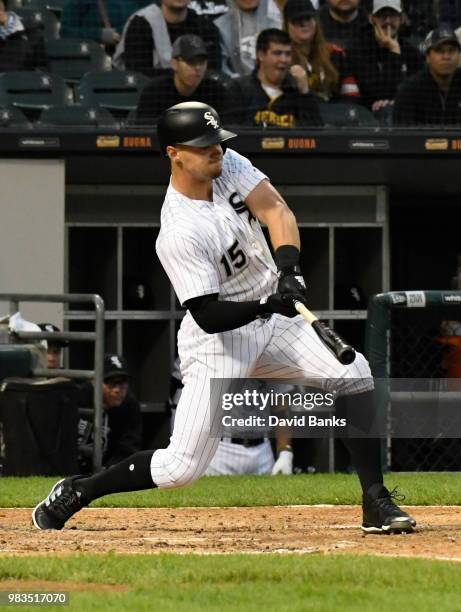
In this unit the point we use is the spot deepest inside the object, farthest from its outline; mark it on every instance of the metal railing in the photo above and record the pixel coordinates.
(97, 337)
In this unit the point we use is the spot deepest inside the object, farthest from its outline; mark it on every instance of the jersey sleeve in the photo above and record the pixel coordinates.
(241, 173)
(188, 266)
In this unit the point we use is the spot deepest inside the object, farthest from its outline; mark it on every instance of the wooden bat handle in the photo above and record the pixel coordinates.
(305, 312)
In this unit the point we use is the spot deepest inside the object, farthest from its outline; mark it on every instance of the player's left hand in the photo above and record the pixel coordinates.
(292, 283)
(284, 463)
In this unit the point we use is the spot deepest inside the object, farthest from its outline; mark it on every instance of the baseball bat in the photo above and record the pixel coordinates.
(343, 352)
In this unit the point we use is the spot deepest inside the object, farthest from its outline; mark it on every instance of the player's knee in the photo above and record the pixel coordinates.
(186, 474)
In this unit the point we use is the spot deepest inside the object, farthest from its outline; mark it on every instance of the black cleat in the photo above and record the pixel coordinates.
(60, 505)
(382, 515)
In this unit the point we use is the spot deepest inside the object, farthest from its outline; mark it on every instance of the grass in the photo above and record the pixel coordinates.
(419, 488)
(247, 583)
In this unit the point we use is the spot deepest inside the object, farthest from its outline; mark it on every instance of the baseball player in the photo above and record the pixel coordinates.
(242, 455)
(240, 320)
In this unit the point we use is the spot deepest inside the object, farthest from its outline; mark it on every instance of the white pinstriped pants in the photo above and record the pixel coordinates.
(275, 348)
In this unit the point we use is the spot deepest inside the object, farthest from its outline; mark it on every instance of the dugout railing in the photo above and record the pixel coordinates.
(415, 336)
(96, 336)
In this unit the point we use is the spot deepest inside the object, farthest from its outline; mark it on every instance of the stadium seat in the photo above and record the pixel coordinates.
(76, 115)
(384, 116)
(33, 91)
(71, 58)
(131, 118)
(346, 115)
(11, 117)
(39, 23)
(116, 90)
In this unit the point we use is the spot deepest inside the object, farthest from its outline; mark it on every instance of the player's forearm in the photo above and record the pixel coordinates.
(282, 226)
(214, 316)
(267, 205)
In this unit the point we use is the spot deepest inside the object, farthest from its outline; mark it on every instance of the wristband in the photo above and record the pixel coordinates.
(287, 259)
(262, 309)
(286, 447)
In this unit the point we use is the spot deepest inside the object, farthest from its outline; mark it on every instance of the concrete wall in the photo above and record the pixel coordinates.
(32, 200)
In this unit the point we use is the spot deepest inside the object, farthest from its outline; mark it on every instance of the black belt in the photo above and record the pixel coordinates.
(246, 442)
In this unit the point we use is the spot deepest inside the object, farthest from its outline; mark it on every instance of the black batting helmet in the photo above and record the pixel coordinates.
(191, 123)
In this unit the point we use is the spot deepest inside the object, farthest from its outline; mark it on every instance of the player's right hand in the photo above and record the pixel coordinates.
(282, 304)
(284, 463)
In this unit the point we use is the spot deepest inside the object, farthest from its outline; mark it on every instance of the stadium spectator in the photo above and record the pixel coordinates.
(383, 58)
(122, 424)
(343, 22)
(16, 50)
(187, 82)
(147, 37)
(419, 16)
(99, 20)
(239, 29)
(433, 95)
(325, 63)
(449, 12)
(275, 94)
(54, 347)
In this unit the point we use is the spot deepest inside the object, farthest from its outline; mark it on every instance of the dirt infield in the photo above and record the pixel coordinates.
(300, 529)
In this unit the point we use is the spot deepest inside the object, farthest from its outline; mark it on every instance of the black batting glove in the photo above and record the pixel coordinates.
(291, 280)
(292, 284)
(281, 304)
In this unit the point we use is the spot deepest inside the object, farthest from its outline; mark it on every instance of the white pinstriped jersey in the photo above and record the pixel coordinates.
(217, 247)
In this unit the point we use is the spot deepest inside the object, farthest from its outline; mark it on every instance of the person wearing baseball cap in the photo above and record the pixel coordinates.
(187, 82)
(383, 58)
(325, 64)
(432, 97)
(122, 422)
(54, 347)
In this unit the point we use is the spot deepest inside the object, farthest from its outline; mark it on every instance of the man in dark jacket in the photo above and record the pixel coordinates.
(122, 424)
(275, 95)
(432, 97)
(187, 82)
(383, 59)
(343, 22)
(149, 34)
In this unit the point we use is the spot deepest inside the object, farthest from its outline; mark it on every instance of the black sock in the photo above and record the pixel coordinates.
(360, 412)
(131, 474)
(366, 459)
